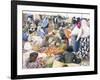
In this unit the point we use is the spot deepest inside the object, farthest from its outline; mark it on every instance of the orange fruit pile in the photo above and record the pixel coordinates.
(53, 51)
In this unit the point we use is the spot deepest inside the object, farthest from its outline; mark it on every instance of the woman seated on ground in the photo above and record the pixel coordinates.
(35, 62)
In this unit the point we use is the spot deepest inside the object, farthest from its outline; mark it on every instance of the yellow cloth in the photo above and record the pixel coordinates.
(67, 33)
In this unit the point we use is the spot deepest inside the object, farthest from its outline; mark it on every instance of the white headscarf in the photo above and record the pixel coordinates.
(85, 28)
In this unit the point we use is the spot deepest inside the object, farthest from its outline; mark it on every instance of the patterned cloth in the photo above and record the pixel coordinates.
(84, 48)
(39, 63)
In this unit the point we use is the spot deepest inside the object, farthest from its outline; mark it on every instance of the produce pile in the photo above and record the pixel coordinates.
(53, 51)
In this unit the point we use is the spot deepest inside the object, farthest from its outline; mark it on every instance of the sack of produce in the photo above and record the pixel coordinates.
(27, 46)
(49, 61)
(57, 64)
(68, 56)
(71, 57)
(59, 57)
(36, 48)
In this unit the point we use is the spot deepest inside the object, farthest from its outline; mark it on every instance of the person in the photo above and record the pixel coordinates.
(67, 32)
(29, 19)
(85, 40)
(74, 20)
(40, 31)
(35, 62)
(75, 36)
(45, 24)
(25, 32)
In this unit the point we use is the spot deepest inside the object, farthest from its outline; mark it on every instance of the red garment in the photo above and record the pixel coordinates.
(79, 25)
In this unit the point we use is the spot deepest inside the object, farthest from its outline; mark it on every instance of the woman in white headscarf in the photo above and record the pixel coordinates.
(84, 36)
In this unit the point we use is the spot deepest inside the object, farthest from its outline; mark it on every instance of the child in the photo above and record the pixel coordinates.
(34, 61)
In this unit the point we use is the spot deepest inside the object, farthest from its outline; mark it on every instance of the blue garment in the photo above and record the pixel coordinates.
(45, 23)
(45, 30)
(41, 33)
(75, 44)
(25, 36)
